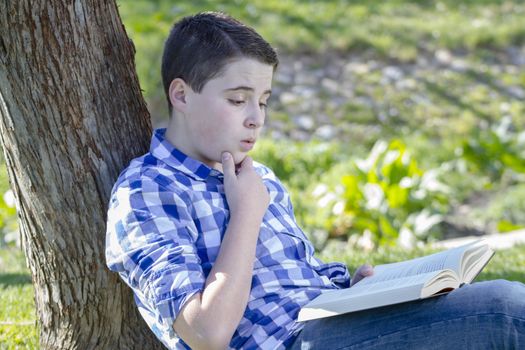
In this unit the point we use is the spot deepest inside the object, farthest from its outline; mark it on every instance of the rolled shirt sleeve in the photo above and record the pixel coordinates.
(150, 242)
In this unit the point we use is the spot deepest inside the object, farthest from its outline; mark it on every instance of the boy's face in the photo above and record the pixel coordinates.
(227, 115)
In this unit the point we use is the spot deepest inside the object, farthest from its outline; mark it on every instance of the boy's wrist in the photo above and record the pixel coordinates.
(246, 217)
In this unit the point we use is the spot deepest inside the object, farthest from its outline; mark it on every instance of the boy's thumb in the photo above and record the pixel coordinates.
(228, 167)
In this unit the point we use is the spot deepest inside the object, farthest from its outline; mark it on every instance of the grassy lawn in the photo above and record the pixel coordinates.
(17, 315)
(17, 312)
(395, 28)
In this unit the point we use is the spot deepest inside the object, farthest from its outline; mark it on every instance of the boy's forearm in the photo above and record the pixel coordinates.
(224, 299)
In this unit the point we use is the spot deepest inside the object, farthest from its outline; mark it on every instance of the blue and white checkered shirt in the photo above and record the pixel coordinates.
(166, 219)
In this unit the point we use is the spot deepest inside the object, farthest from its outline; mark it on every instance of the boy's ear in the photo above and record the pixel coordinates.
(177, 93)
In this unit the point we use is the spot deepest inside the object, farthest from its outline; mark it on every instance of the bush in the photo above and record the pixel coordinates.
(386, 198)
(494, 150)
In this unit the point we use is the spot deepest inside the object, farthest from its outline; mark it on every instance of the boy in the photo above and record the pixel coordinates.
(205, 237)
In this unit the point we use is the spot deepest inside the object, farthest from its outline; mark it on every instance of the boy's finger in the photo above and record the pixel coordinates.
(228, 168)
(367, 270)
(362, 272)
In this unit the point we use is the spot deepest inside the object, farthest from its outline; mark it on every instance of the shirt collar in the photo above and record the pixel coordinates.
(163, 150)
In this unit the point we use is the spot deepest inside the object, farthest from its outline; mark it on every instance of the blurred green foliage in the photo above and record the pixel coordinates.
(382, 195)
(388, 196)
(387, 193)
(8, 219)
(494, 149)
(388, 27)
(298, 164)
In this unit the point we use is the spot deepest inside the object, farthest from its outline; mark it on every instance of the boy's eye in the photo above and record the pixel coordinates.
(263, 105)
(236, 102)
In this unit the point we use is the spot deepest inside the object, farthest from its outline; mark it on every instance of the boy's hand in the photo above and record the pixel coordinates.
(362, 272)
(245, 192)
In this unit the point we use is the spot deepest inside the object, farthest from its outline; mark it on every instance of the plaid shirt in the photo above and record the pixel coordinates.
(166, 219)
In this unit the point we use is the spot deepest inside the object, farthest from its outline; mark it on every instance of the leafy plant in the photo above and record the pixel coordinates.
(386, 197)
(496, 149)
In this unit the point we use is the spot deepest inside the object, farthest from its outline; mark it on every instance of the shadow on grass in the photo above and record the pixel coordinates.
(14, 279)
(442, 92)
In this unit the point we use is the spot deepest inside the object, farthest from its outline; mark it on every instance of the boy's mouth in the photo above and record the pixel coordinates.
(247, 144)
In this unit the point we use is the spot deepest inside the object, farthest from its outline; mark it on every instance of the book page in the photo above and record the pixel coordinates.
(474, 260)
(385, 284)
(449, 259)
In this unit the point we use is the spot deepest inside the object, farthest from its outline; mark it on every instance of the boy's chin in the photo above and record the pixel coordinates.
(238, 158)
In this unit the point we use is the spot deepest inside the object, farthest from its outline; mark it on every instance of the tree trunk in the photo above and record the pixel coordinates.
(72, 116)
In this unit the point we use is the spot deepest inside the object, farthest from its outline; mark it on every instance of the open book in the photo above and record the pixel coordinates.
(404, 281)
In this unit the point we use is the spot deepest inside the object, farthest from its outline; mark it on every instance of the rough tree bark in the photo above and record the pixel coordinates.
(72, 116)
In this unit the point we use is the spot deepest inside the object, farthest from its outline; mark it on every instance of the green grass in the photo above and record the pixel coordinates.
(17, 314)
(394, 28)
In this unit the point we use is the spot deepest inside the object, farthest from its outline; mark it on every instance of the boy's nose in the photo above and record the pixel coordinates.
(255, 119)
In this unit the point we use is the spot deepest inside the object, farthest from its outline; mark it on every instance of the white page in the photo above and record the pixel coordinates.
(448, 259)
(384, 285)
(474, 261)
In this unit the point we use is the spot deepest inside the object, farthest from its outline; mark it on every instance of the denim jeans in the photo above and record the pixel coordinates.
(483, 315)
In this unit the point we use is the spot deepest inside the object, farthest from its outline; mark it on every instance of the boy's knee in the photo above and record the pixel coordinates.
(507, 297)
